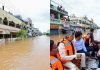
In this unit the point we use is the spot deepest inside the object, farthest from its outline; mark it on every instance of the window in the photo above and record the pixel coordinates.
(0, 20)
(1, 36)
(5, 21)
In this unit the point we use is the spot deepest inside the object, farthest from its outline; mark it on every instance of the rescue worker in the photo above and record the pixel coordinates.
(67, 51)
(54, 62)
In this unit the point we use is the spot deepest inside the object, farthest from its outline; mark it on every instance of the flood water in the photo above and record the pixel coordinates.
(30, 54)
(90, 64)
(58, 38)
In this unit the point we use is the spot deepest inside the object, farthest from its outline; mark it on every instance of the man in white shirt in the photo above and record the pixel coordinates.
(67, 51)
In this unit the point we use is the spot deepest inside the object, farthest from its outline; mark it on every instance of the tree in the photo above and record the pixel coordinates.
(22, 34)
(5, 21)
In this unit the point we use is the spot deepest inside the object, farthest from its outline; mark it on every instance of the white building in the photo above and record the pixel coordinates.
(79, 23)
(9, 25)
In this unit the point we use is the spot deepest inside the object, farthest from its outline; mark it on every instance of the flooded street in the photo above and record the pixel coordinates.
(90, 64)
(31, 54)
(58, 38)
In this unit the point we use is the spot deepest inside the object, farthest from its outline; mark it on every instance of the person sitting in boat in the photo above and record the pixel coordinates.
(98, 55)
(80, 48)
(88, 44)
(95, 43)
(54, 62)
(79, 43)
(67, 51)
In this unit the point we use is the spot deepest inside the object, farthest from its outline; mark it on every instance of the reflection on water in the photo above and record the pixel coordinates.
(31, 54)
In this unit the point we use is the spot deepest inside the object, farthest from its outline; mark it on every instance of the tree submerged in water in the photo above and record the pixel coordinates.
(22, 34)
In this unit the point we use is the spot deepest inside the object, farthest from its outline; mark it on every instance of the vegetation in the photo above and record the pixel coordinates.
(22, 34)
(48, 34)
(5, 21)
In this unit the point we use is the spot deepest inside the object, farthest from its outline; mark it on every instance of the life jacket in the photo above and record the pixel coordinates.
(62, 60)
(70, 50)
(55, 63)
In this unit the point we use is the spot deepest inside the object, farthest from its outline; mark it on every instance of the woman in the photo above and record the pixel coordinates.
(88, 44)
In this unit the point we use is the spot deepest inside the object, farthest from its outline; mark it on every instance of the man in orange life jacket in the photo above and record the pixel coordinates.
(54, 62)
(67, 51)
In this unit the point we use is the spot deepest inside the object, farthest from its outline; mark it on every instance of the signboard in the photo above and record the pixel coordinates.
(54, 26)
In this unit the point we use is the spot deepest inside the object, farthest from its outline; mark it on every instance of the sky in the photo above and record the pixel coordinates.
(89, 8)
(37, 10)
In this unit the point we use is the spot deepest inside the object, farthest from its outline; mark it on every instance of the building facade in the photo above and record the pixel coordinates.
(79, 23)
(9, 26)
(57, 19)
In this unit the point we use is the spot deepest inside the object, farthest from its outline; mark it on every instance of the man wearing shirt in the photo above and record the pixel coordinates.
(79, 44)
(67, 51)
(80, 48)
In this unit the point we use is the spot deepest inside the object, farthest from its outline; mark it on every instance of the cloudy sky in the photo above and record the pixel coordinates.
(37, 10)
(90, 8)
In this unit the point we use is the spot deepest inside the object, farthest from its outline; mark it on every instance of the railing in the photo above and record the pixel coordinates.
(7, 27)
(58, 9)
(55, 21)
(58, 21)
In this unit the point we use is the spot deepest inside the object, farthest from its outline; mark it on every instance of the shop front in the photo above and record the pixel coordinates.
(56, 29)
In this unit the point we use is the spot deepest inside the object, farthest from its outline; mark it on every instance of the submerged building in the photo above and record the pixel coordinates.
(9, 26)
(58, 21)
(80, 23)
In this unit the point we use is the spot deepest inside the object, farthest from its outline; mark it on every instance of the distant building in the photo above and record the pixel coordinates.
(32, 31)
(79, 23)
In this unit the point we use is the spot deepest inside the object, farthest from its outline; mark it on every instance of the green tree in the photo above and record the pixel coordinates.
(22, 34)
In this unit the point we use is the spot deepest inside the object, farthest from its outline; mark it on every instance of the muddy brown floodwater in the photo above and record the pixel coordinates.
(59, 38)
(30, 54)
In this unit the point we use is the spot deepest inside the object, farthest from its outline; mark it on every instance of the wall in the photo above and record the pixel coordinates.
(9, 17)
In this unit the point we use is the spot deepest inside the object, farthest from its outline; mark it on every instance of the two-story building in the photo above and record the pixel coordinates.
(9, 26)
(57, 19)
(79, 23)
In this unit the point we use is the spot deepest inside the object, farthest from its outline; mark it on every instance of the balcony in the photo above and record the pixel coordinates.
(7, 29)
(55, 21)
(52, 7)
(74, 24)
